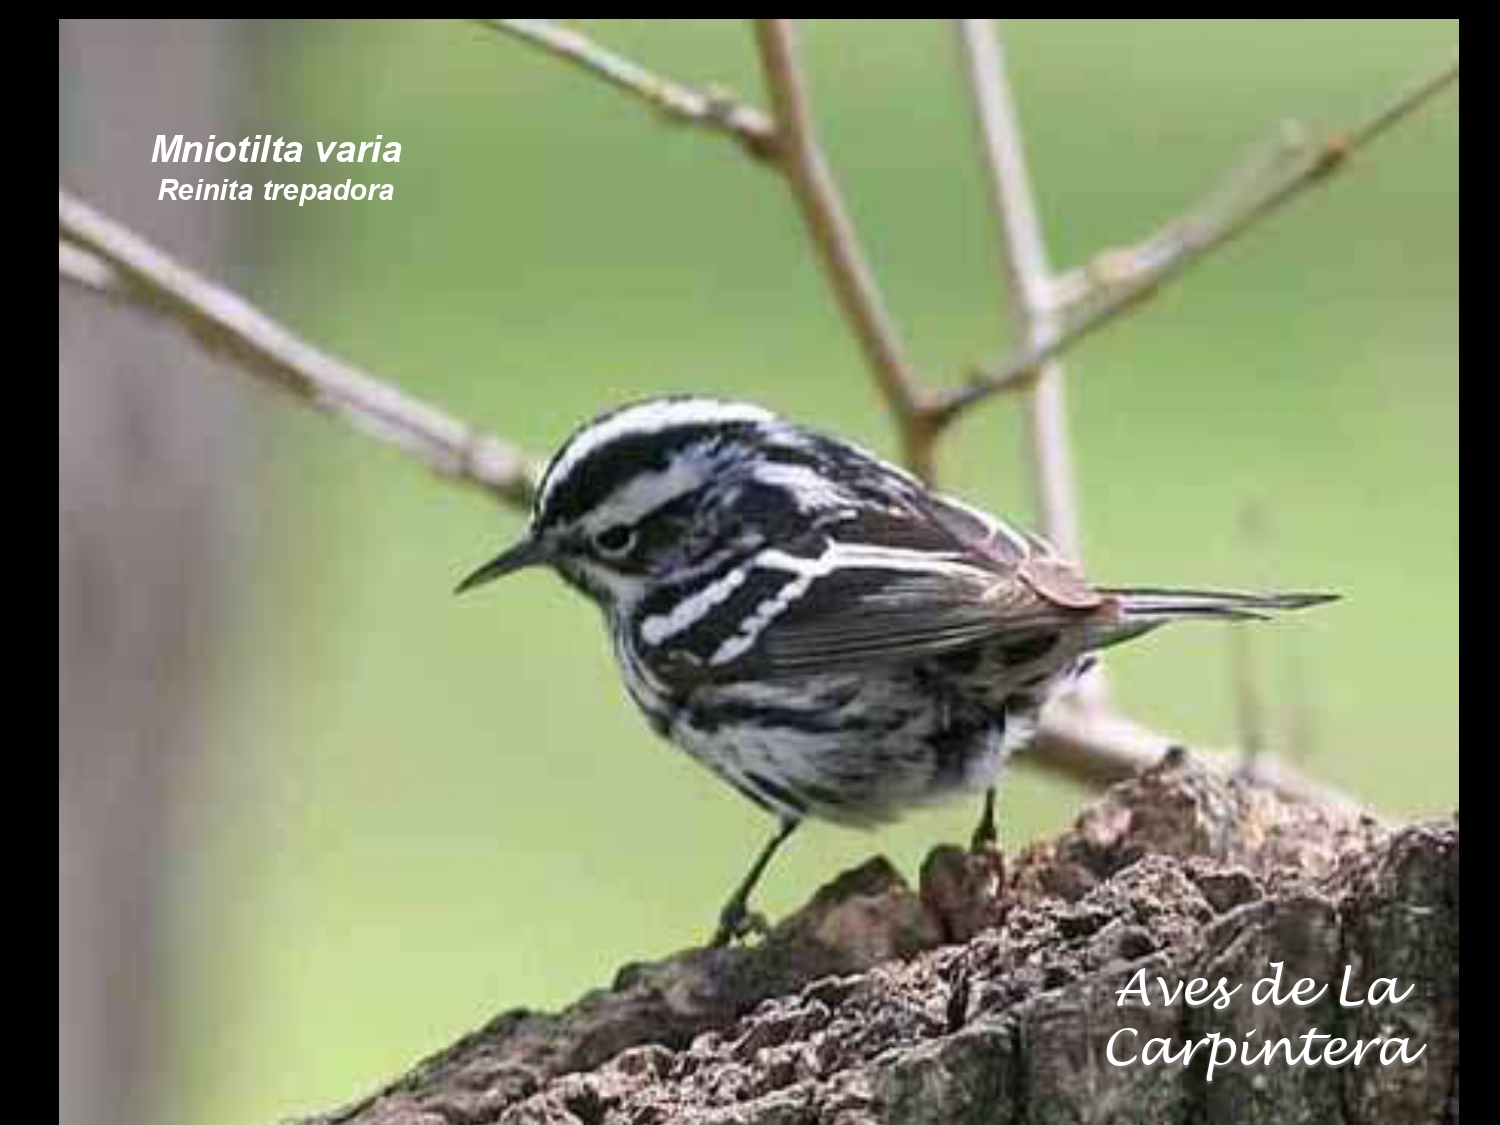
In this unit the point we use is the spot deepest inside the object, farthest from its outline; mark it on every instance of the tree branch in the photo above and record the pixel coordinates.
(711, 109)
(1023, 251)
(790, 144)
(1098, 748)
(837, 242)
(84, 269)
(1117, 281)
(101, 255)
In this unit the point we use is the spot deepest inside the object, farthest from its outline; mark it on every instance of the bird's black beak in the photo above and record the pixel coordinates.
(528, 552)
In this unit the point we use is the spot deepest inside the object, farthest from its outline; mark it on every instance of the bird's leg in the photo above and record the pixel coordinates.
(736, 920)
(986, 838)
(984, 847)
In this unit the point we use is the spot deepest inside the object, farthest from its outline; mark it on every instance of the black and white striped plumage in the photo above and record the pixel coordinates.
(814, 625)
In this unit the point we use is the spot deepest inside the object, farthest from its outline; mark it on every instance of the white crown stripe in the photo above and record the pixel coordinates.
(641, 495)
(645, 418)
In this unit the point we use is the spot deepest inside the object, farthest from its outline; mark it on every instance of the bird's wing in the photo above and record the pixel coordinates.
(856, 596)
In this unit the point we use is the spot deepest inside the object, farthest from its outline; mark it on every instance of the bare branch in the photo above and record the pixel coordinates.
(1117, 281)
(837, 242)
(104, 256)
(1097, 748)
(1023, 251)
(1246, 667)
(82, 268)
(711, 109)
(789, 143)
(1413, 98)
(1244, 678)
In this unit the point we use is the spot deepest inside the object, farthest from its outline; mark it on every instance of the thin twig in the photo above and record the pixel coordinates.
(1246, 669)
(1120, 280)
(85, 269)
(127, 266)
(711, 109)
(790, 144)
(1099, 748)
(1244, 677)
(837, 242)
(1023, 251)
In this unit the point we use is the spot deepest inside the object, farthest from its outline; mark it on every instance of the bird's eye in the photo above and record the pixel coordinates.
(615, 541)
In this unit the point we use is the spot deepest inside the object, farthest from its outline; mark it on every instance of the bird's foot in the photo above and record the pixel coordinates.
(985, 855)
(737, 922)
(991, 861)
(963, 890)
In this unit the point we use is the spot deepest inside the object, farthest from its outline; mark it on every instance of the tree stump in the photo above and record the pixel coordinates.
(877, 1003)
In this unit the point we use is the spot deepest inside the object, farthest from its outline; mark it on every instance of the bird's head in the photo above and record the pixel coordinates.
(647, 494)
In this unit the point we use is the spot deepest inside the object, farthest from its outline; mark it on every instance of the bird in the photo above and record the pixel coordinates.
(820, 629)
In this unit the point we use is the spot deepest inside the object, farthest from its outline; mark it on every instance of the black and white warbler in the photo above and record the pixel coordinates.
(814, 625)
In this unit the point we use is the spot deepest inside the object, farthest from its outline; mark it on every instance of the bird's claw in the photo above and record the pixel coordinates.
(985, 853)
(737, 923)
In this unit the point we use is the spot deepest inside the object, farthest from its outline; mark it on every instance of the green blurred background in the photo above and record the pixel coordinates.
(430, 809)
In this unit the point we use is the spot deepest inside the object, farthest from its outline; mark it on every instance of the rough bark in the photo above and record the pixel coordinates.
(875, 1003)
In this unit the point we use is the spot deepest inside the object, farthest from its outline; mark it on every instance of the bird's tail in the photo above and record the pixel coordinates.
(1143, 609)
(1148, 604)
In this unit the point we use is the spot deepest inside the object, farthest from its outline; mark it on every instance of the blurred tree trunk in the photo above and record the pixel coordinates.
(147, 465)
